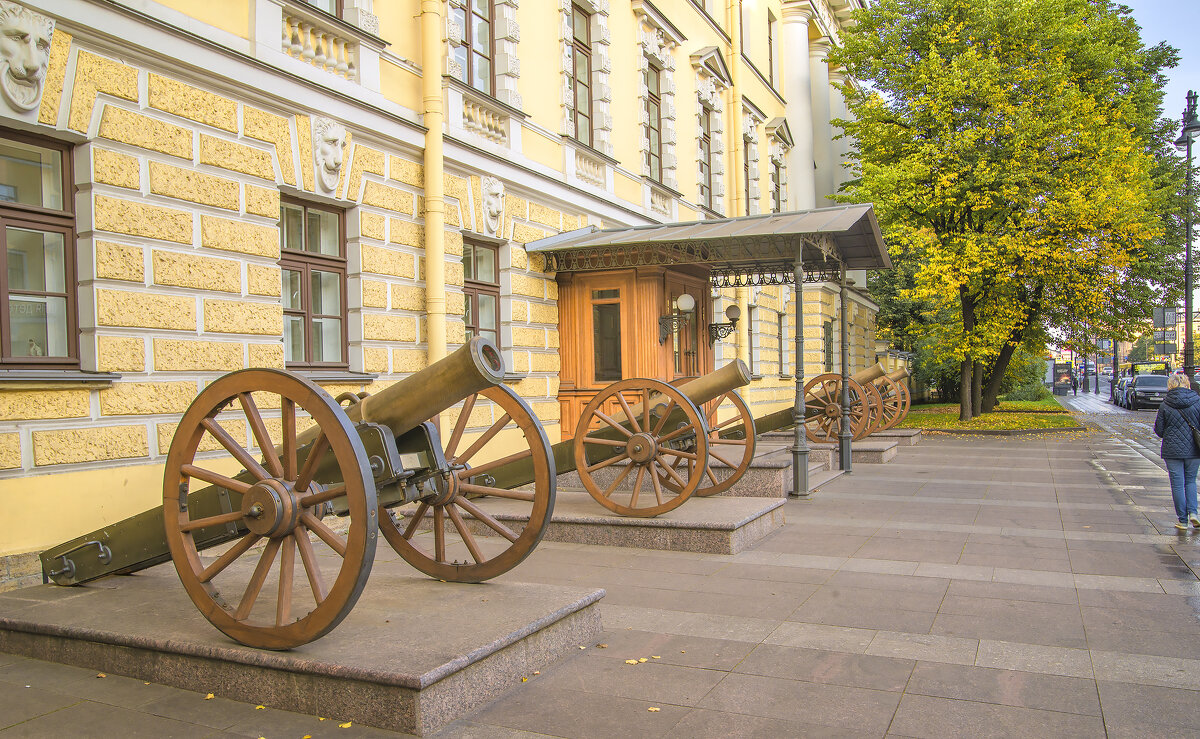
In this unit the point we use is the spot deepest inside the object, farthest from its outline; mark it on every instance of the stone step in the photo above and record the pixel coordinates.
(904, 437)
(413, 655)
(867, 451)
(714, 525)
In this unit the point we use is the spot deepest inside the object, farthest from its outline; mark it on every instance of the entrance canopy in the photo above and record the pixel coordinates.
(760, 249)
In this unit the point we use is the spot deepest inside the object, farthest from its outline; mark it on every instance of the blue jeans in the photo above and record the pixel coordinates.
(1183, 484)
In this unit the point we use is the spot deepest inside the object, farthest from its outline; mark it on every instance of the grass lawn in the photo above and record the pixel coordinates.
(1050, 405)
(944, 418)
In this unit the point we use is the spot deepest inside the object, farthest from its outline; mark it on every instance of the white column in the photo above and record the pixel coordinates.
(822, 131)
(797, 88)
(841, 147)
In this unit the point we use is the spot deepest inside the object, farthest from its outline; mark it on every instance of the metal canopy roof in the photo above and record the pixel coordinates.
(751, 246)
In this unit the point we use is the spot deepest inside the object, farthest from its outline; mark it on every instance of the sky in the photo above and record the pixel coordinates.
(1178, 23)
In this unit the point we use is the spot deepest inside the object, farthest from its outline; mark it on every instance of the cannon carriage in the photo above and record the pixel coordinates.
(275, 554)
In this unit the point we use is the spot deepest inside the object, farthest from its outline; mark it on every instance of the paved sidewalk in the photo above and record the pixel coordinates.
(974, 586)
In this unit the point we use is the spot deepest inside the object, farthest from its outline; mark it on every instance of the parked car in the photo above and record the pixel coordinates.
(1118, 393)
(1146, 390)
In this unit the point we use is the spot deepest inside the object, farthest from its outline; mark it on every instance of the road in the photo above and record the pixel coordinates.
(1135, 428)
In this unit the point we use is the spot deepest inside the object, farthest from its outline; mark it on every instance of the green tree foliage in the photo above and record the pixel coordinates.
(1017, 161)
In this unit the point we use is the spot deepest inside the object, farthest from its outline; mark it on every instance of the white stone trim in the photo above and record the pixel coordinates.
(658, 40)
(750, 123)
(710, 89)
(506, 34)
(602, 121)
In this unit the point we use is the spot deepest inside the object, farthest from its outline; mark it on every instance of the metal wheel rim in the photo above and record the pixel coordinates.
(585, 437)
(515, 415)
(333, 603)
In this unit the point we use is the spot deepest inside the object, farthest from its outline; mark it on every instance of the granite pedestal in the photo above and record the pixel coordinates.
(413, 655)
(904, 437)
(714, 525)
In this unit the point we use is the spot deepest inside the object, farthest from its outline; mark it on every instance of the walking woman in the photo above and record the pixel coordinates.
(1178, 417)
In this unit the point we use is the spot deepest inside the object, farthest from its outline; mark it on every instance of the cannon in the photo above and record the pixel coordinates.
(664, 436)
(895, 397)
(315, 480)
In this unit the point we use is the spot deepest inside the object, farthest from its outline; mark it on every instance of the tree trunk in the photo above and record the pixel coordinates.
(964, 391)
(977, 389)
(992, 390)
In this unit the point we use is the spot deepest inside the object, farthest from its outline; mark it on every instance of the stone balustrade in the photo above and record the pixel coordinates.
(485, 120)
(307, 39)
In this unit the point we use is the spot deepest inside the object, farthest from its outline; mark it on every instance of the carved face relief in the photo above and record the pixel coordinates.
(329, 143)
(493, 203)
(24, 54)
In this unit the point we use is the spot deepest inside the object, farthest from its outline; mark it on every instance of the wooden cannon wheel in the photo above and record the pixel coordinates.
(906, 398)
(893, 402)
(736, 450)
(823, 408)
(423, 540)
(277, 503)
(649, 441)
(874, 411)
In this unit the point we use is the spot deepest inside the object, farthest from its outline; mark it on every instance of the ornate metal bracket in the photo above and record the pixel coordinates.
(668, 325)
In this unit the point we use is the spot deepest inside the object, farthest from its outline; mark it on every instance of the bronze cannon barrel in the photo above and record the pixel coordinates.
(422, 395)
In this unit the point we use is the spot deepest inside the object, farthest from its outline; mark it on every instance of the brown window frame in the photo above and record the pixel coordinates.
(339, 7)
(582, 49)
(38, 218)
(705, 141)
(654, 153)
(473, 288)
(305, 262)
(472, 50)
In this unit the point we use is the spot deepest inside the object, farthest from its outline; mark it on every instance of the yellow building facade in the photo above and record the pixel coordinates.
(344, 188)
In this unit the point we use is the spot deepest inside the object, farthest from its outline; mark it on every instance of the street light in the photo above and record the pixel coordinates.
(1191, 128)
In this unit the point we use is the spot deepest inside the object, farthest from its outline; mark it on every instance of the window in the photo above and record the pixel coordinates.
(482, 291)
(772, 29)
(654, 122)
(706, 183)
(37, 225)
(747, 151)
(313, 263)
(333, 7)
(606, 335)
(776, 187)
(475, 55)
(581, 73)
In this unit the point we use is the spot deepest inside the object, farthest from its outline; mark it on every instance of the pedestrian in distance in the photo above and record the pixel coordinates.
(1177, 424)
(1074, 385)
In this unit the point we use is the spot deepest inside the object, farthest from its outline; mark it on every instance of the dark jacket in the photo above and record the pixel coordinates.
(1179, 406)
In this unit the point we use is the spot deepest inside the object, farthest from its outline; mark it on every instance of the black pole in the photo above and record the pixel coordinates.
(1189, 360)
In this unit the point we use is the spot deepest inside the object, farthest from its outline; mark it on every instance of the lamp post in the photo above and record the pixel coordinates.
(1191, 128)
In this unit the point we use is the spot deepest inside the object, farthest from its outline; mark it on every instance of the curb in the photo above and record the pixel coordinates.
(1005, 432)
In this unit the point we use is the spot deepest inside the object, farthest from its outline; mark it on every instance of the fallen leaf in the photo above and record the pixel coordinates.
(655, 656)
(209, 697)
(259, 708)
(683, 651)
(524, 679)
(641, 659)
(582, 647)
(631, 662)
(345, 725)
(537, 672)
(653, 709)
(101, 674)
(601, 646)
(145, 683)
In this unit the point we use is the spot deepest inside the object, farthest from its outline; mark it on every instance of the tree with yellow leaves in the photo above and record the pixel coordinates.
(1015, 155)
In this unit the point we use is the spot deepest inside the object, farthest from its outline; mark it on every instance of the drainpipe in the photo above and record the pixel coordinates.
(433, 116)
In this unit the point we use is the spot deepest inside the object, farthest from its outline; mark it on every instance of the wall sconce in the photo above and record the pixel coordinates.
(671, 323)
(721, 330)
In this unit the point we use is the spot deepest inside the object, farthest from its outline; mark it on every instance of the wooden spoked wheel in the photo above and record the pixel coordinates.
(730, 441)
(874, 411)
(640, 429)
(823, 408)
(906, 398)
(277, 505)
(893, 402)
(436, 537)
